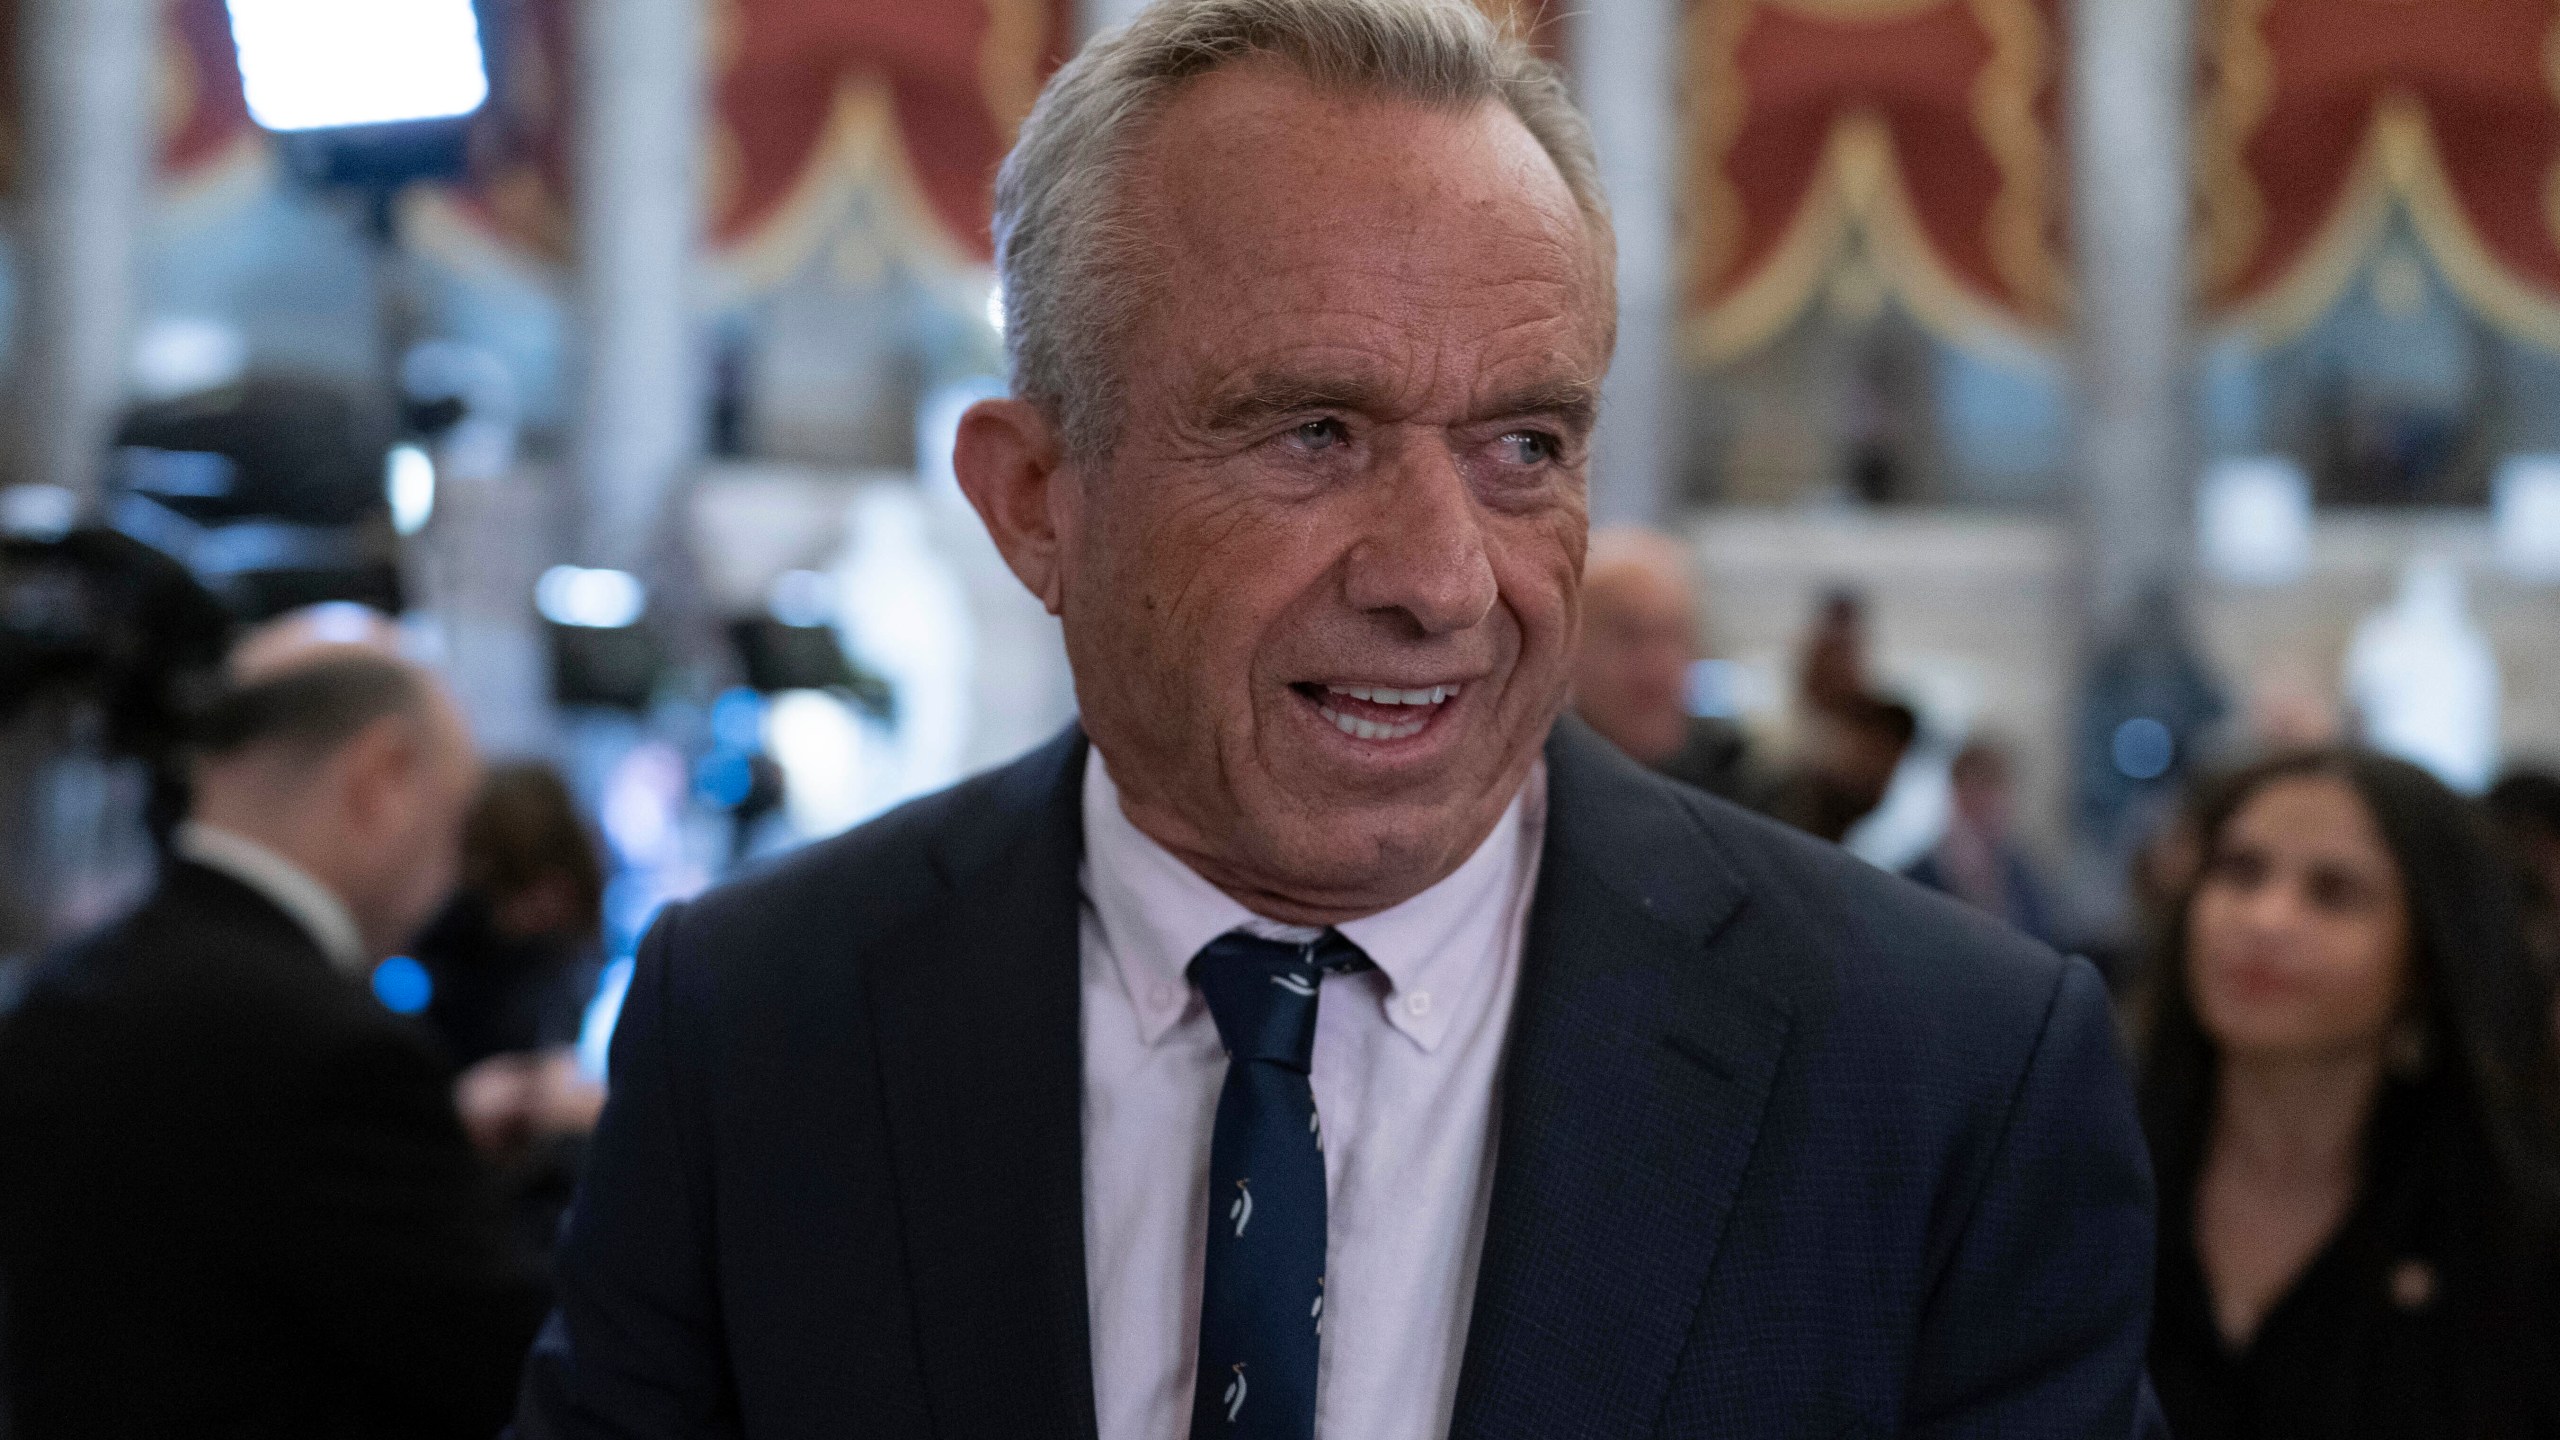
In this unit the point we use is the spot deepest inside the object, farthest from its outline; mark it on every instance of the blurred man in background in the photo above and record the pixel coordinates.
(1631, 675)
(1979, 860)
(235, 1196)
(1848, 739)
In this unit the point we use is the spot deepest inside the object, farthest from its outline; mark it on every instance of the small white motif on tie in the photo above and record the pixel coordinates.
(1295, 984)
(1240, 1210)
(1235, 1393)
(1317, 1314)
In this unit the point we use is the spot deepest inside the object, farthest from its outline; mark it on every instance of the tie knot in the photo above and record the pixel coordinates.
(1262, 992)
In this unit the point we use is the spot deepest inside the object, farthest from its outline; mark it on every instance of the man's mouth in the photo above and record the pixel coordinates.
(1378, 712)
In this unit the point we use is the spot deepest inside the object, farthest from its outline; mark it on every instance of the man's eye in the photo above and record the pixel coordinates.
(1528, 447)
(1315, 436)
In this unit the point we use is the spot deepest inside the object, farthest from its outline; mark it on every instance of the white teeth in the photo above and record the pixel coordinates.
(1384, 695)
(1360, 729)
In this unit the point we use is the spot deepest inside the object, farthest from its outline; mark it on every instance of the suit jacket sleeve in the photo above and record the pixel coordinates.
(635, 1346)
(396, 1240)
(2038, 1320)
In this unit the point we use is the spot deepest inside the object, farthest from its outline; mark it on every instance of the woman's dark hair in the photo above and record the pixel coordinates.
(523, 829)
(2487, 1017)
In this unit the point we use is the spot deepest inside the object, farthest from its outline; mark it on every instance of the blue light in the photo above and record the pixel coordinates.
(403, 985)
(737, 719)
(2143, 749)
(724, 778)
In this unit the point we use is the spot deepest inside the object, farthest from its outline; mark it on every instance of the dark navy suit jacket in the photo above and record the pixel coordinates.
(1789, 1147)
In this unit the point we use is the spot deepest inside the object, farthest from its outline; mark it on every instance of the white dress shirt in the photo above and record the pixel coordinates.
(312, 905)
(1406, 1059)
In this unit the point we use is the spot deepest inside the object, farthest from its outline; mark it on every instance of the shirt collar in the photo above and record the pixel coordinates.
(310, 904)
(1156, 914)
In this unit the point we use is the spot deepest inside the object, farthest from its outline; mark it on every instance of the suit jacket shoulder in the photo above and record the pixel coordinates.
(1822, 932)
(1868, 1140)
(205, 983)
(239, 1189)
(828, 903)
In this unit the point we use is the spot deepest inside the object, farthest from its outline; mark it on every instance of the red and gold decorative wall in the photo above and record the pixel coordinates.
(1924, 129)
(1931, 130)
(1927, 134)
(2317, 117)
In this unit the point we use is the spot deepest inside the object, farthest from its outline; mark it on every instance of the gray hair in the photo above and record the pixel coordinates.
(1067, 251)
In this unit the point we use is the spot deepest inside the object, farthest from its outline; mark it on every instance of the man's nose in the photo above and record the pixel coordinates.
(1422, 550)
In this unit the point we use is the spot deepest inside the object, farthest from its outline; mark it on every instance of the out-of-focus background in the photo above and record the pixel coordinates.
(2120, 382)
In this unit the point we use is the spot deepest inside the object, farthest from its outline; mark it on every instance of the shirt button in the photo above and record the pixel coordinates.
(1418, 1003)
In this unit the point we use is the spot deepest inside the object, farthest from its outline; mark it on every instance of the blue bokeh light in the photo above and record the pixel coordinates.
(2143, 749)
(724, 778)
(737, 719)
(403, 985)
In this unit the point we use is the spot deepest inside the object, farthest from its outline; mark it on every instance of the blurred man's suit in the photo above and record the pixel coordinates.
(236, 1198)
(1787, 1147)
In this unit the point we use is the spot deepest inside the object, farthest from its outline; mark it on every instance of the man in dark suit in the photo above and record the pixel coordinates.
(235, 1198)
(1333, 1041)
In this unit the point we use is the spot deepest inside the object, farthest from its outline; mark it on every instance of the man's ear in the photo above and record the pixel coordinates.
(376, 766)
(1007, 457)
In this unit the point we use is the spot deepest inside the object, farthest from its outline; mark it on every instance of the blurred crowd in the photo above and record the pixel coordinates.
(289, 1143)
(2339, 976)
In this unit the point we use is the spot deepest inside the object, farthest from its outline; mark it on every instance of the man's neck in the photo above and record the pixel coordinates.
(320, 911)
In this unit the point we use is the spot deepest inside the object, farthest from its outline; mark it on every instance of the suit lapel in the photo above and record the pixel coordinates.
(1641, 1058)
(982, 1076)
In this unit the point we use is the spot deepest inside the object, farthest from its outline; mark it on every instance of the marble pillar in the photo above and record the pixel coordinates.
(1626, 71)
(85, 115)
(1095, 16)
(637, 184)
(2129, 89)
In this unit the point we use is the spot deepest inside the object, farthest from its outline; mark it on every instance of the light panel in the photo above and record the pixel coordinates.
(592, 599)
(409, 483)
(325, 64)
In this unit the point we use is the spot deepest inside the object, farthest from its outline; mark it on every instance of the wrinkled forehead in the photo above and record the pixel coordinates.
(1275, 208)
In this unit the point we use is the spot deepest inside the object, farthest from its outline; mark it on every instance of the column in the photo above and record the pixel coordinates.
(1626, 69)
(2130, 86)
(1095, 16)
(85, 74)
(641, 91)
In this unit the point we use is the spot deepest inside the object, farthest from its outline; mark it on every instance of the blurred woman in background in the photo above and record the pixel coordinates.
(2355, 1115)
(514, 960)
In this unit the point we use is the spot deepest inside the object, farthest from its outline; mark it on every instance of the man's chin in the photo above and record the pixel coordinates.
(1358, 858)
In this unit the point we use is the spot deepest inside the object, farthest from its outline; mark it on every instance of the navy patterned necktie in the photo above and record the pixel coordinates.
(1262, 1291)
